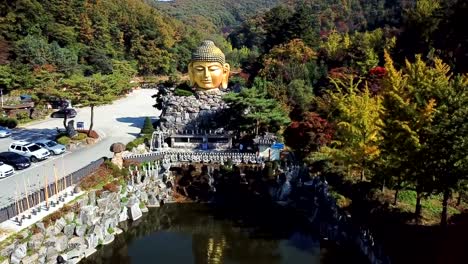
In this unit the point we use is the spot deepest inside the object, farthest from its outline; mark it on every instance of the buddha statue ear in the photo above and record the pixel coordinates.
(226, 71)
(190, 72)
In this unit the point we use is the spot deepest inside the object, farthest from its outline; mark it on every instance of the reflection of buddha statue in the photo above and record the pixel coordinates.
(207, 69)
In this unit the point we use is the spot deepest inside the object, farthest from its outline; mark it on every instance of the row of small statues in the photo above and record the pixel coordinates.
(207, 157)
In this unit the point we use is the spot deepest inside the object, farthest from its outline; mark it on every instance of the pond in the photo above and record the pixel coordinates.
(204, 233)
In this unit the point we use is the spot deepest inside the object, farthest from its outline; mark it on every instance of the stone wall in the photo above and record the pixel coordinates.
(95, 222)
(198, 111)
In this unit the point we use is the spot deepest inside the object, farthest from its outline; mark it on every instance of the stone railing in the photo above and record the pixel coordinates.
(197, 156)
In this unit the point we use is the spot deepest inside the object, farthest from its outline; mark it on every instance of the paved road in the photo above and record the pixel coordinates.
(119, 122)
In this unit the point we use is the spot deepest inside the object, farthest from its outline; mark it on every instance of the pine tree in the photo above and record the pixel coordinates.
(147, 127)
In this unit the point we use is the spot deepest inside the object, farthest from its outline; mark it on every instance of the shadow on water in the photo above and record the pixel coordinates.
(200, 233)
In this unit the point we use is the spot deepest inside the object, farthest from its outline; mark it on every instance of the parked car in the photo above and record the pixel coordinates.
(60, 103)
(30, 150)
(5, 170)
(54, 147)
(4, 132)
(70, 112)
(14, 159)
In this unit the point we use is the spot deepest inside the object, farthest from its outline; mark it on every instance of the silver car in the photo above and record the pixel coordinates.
(54, 147)
(4, 132)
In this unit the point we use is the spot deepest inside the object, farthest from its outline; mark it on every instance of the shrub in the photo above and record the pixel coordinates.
(116, 171)
(180, 92)
(64, 140)
(147, 127)
(136, 142)
(22, 116)
(92, 134)
(8, 122)
(80, 136)
(111, 187)
(130, 145)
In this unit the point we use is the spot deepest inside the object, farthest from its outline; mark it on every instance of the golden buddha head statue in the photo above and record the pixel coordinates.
(208, 69)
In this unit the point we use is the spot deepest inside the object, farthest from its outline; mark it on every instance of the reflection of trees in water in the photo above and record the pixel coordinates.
(217, 235)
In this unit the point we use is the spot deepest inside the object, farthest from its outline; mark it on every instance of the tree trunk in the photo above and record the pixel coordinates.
(362, 175)
(256, 127)
(397, 190)
(395, 197)
(443, 216)
(459, 198)
(418, 209)
(92, 119)
(383, 185)
(65, 121)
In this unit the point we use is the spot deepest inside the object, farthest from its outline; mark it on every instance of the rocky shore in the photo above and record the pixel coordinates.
(92, 220)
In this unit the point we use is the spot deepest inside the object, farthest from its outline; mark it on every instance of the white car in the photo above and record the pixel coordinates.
(31, 150)
(54, 147)
(5, 170)
(4, 132)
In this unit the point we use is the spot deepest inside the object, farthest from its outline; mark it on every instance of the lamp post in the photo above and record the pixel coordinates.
(1, 95)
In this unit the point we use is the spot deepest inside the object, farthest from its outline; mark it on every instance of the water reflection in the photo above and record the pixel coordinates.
(196, 233)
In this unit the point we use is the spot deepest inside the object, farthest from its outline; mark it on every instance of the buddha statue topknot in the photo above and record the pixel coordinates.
(208, 69)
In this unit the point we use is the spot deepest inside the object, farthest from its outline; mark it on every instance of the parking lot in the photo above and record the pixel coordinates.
(117, 122)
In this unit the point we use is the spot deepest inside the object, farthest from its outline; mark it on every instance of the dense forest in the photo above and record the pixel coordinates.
(213, 16)
(375, 95)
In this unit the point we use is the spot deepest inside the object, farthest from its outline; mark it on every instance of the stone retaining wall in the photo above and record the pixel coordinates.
(95, 221)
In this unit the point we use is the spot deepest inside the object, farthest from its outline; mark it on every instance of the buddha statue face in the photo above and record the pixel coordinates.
(207, 69)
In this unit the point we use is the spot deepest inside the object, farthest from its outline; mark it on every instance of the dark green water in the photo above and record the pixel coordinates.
(197, 233)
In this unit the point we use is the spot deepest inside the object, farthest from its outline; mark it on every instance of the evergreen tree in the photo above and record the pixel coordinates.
(147, 128)
(252, 111)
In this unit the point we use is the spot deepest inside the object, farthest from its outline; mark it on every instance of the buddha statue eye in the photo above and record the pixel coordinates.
(200, 68)
(213, 68)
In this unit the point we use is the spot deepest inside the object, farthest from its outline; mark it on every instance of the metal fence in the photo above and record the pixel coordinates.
(38, 196)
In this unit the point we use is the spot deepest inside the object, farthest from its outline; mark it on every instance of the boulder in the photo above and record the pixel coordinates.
(50, 242)
(92, 198)
(80, 230)
(51, 255)
(76, 243)
(8, 250)
(19, 253)
(41, 227)
(91, 241)
(69, 217)
(144, 197)
(59, 225)
(75, 255)
(108, 238)
(42, 255)
(103, 203)
(87, 215)
(123, 216)
(135, 211)
(61, 243)
(153, 201)
(98, 233)
(35, 242)
(50, 231)
(33, 259)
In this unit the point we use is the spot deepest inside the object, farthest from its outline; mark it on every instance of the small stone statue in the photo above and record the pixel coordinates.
(71, 129)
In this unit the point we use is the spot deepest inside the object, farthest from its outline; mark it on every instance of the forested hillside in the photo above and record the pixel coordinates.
(213, 15)
(53, 40)
(374, 90)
